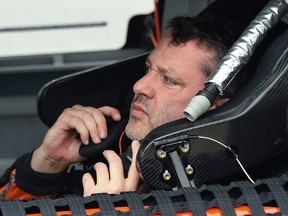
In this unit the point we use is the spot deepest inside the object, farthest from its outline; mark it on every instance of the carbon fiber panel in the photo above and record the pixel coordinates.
(252, 127)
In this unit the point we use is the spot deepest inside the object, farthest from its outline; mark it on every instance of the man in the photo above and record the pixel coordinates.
(176, 70)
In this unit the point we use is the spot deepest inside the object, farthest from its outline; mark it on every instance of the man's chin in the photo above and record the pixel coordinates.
(135, 133)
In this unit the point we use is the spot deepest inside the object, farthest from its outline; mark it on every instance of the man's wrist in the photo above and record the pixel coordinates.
(40, 163)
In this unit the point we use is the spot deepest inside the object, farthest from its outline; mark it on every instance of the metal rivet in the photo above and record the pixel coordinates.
(185, 148)
(161, 153)
(189, 170)
(166, 175)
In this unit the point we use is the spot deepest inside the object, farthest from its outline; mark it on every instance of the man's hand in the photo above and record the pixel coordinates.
(61, 144)
(112, 181)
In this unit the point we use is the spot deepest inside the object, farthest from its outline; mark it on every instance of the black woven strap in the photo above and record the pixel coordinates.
(264, 192)
(11, 208)
(135, 204)
(193, 201)
(105, 204)
(279, 193)
(252, 198)
(164, 203)
(223, 200)
(76, 205)
(46, 206)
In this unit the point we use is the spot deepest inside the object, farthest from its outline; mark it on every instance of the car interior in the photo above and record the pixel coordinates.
(243, 142)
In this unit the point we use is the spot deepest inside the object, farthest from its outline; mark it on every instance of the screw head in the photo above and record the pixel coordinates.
(166, 175)
(161, 153)
(189, 170)
(185, 148)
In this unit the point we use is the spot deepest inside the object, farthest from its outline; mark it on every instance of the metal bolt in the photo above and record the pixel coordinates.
(161, 153)
(185, 148)
(166, 175)
(189, 170)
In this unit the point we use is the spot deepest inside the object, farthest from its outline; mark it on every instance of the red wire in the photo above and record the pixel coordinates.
(156, 21)
(120, 142)
(153, 39)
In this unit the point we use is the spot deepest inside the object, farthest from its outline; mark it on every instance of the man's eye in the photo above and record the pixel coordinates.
(147, 69)
(169, 81)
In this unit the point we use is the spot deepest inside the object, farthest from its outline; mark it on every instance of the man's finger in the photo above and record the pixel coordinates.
(111, 111)
(102, 173)
(115, 168)
(88, 181)
(133, 178)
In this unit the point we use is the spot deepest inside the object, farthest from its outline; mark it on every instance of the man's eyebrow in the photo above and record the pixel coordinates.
(159, 68)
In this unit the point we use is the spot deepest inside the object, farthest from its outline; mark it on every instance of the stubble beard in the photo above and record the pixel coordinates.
(137, 129)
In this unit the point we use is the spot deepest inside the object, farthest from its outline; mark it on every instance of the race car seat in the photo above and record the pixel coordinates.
(220, 139)
(248, 134)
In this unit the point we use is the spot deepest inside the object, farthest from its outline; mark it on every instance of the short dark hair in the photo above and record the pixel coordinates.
(213, 33)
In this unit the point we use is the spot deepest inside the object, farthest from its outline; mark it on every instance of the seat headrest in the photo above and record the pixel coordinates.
(252, 126)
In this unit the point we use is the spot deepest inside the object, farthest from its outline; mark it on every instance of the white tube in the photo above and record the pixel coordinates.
(197, 106)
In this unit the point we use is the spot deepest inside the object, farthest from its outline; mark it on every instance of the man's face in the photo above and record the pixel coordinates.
(173, 77)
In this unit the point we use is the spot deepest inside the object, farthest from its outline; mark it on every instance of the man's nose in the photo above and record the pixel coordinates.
(144, 86)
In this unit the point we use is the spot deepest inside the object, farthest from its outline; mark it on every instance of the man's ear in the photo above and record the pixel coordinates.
(219, 102)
